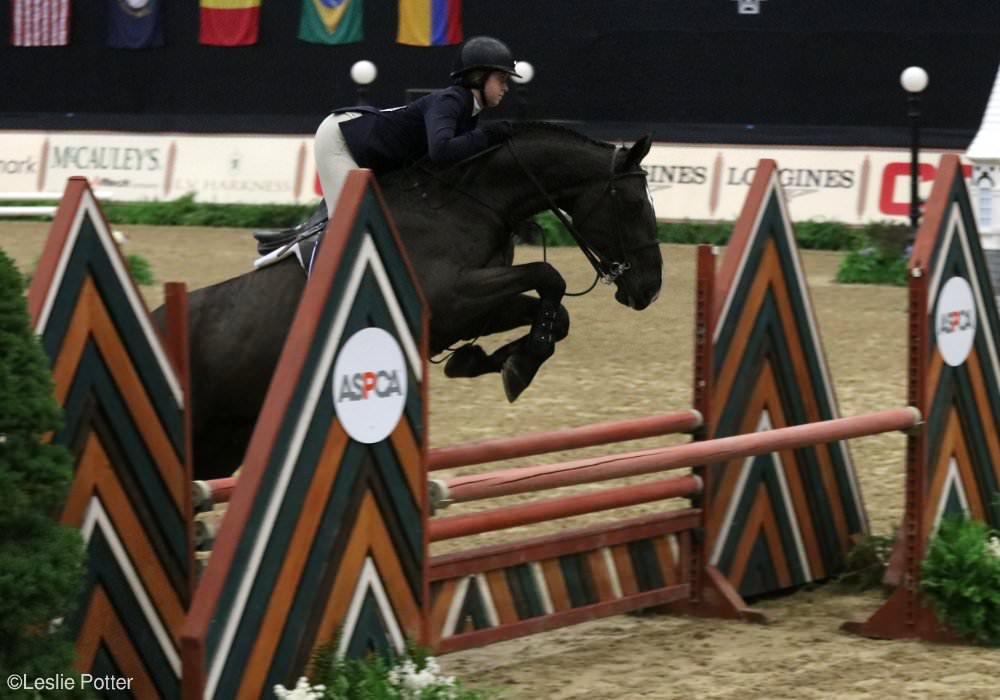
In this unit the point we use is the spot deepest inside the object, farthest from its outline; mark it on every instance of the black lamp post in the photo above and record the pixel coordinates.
(363, 73)
(914, 80)
(527, 72)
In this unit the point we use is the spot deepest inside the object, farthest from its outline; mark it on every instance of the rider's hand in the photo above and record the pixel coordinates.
(497, 132)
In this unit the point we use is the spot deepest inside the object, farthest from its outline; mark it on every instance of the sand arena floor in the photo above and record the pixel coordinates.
(620, 363)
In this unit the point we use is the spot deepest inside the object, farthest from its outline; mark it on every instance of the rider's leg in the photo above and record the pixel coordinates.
(333, 158)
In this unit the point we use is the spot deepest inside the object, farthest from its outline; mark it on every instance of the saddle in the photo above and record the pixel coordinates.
(301, 239)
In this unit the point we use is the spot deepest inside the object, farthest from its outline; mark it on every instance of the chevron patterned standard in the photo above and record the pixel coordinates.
(504, 591)
(324, 538)
(962, 403)
(126, 427)
(954, 465)
(779, 520)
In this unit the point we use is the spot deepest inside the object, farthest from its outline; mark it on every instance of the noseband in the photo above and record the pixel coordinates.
(607, 270)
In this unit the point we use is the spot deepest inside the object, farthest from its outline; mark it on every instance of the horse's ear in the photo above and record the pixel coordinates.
(638, 151)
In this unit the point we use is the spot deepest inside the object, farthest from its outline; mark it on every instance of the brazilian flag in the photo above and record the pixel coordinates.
(332, 21)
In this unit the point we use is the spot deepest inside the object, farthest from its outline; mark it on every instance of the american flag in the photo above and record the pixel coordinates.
(40, 23)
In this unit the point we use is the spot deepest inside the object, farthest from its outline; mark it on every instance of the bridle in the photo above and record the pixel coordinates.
(607, 270)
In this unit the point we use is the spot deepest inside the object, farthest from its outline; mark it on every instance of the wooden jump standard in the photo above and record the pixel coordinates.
(953, 466)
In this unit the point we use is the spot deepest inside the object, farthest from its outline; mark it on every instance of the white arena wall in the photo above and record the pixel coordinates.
(687, 181)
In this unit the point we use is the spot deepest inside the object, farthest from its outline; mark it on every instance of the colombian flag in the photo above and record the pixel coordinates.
(430, 22)
(229, 22)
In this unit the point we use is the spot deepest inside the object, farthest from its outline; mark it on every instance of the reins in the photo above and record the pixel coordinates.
(606, 272)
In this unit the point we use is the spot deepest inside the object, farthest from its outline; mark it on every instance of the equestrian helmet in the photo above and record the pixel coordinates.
(483, 53)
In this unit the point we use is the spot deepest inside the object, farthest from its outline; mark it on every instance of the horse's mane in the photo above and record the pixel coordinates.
(549, 128)
(545, 130)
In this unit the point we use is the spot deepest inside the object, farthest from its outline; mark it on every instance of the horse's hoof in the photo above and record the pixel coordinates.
(517, 373)
(467, 361)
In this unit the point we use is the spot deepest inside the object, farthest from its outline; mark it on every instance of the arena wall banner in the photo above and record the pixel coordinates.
(687, 181)
(22, 158)
(247, 169)
(852, 185)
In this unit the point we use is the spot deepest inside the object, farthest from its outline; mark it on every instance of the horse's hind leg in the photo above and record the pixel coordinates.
(472, 361)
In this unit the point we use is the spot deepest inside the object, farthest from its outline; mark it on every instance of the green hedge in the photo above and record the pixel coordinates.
(813, 235)
(816, 235)
(876, 252)
(184, 211)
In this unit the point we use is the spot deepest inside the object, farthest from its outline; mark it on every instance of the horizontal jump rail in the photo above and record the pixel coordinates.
(566, 439)
(563, 507)
(508, 482)
(27, 210)
(45, 196)
(686, 421)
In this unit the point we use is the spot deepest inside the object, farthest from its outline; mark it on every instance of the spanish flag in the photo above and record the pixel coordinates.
(430, 22)
(229, 22)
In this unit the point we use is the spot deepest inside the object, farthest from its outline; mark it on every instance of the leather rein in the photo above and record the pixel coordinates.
(607, 270)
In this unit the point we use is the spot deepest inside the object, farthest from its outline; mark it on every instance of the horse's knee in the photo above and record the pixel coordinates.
(560, 327)
(549, 283)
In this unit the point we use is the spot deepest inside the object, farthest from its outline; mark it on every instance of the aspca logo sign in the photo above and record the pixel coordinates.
(369, 385)
(955, 321)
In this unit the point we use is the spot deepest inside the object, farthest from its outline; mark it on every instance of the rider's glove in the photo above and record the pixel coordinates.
(497, 132)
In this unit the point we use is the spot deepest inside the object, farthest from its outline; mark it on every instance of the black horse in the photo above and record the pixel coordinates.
(456, 224)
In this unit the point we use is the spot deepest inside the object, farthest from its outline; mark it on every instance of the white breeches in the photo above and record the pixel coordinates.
(333, 158)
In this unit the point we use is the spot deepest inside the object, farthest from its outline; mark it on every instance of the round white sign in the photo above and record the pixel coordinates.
(955, 321)
(369, 385)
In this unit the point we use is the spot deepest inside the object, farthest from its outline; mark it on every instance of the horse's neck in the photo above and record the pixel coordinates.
(559, 166)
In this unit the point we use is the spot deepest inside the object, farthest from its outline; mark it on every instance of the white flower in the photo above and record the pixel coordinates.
(411, 682)
(994, 546)
(301, 691)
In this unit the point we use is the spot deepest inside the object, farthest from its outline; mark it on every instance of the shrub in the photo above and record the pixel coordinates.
(142, 271)
(184, 211)
(866, 562)
(41, 560)
(881, 260)
(961, 578)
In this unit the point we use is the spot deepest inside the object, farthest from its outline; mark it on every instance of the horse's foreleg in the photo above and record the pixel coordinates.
(472, 361)
(497, 285)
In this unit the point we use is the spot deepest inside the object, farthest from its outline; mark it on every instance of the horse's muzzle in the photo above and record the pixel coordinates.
(637, 299)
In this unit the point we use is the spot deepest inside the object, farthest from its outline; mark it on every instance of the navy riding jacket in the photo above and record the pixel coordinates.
(439, 125)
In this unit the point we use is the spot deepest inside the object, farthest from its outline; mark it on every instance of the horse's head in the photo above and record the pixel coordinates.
(615, 217)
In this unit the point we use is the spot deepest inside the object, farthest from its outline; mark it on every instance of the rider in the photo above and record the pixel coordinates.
(441, 125)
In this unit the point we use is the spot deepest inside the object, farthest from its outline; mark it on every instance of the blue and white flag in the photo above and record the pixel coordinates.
(135, 24)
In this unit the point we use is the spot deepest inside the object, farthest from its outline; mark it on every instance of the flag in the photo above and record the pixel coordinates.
(332, 21)
(135, 24)
(229, 22)
(430, 22)
(40, 23)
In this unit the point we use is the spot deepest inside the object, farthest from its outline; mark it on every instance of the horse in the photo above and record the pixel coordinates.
(455, 222)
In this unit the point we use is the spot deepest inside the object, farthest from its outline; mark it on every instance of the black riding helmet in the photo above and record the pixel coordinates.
(483, 53)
